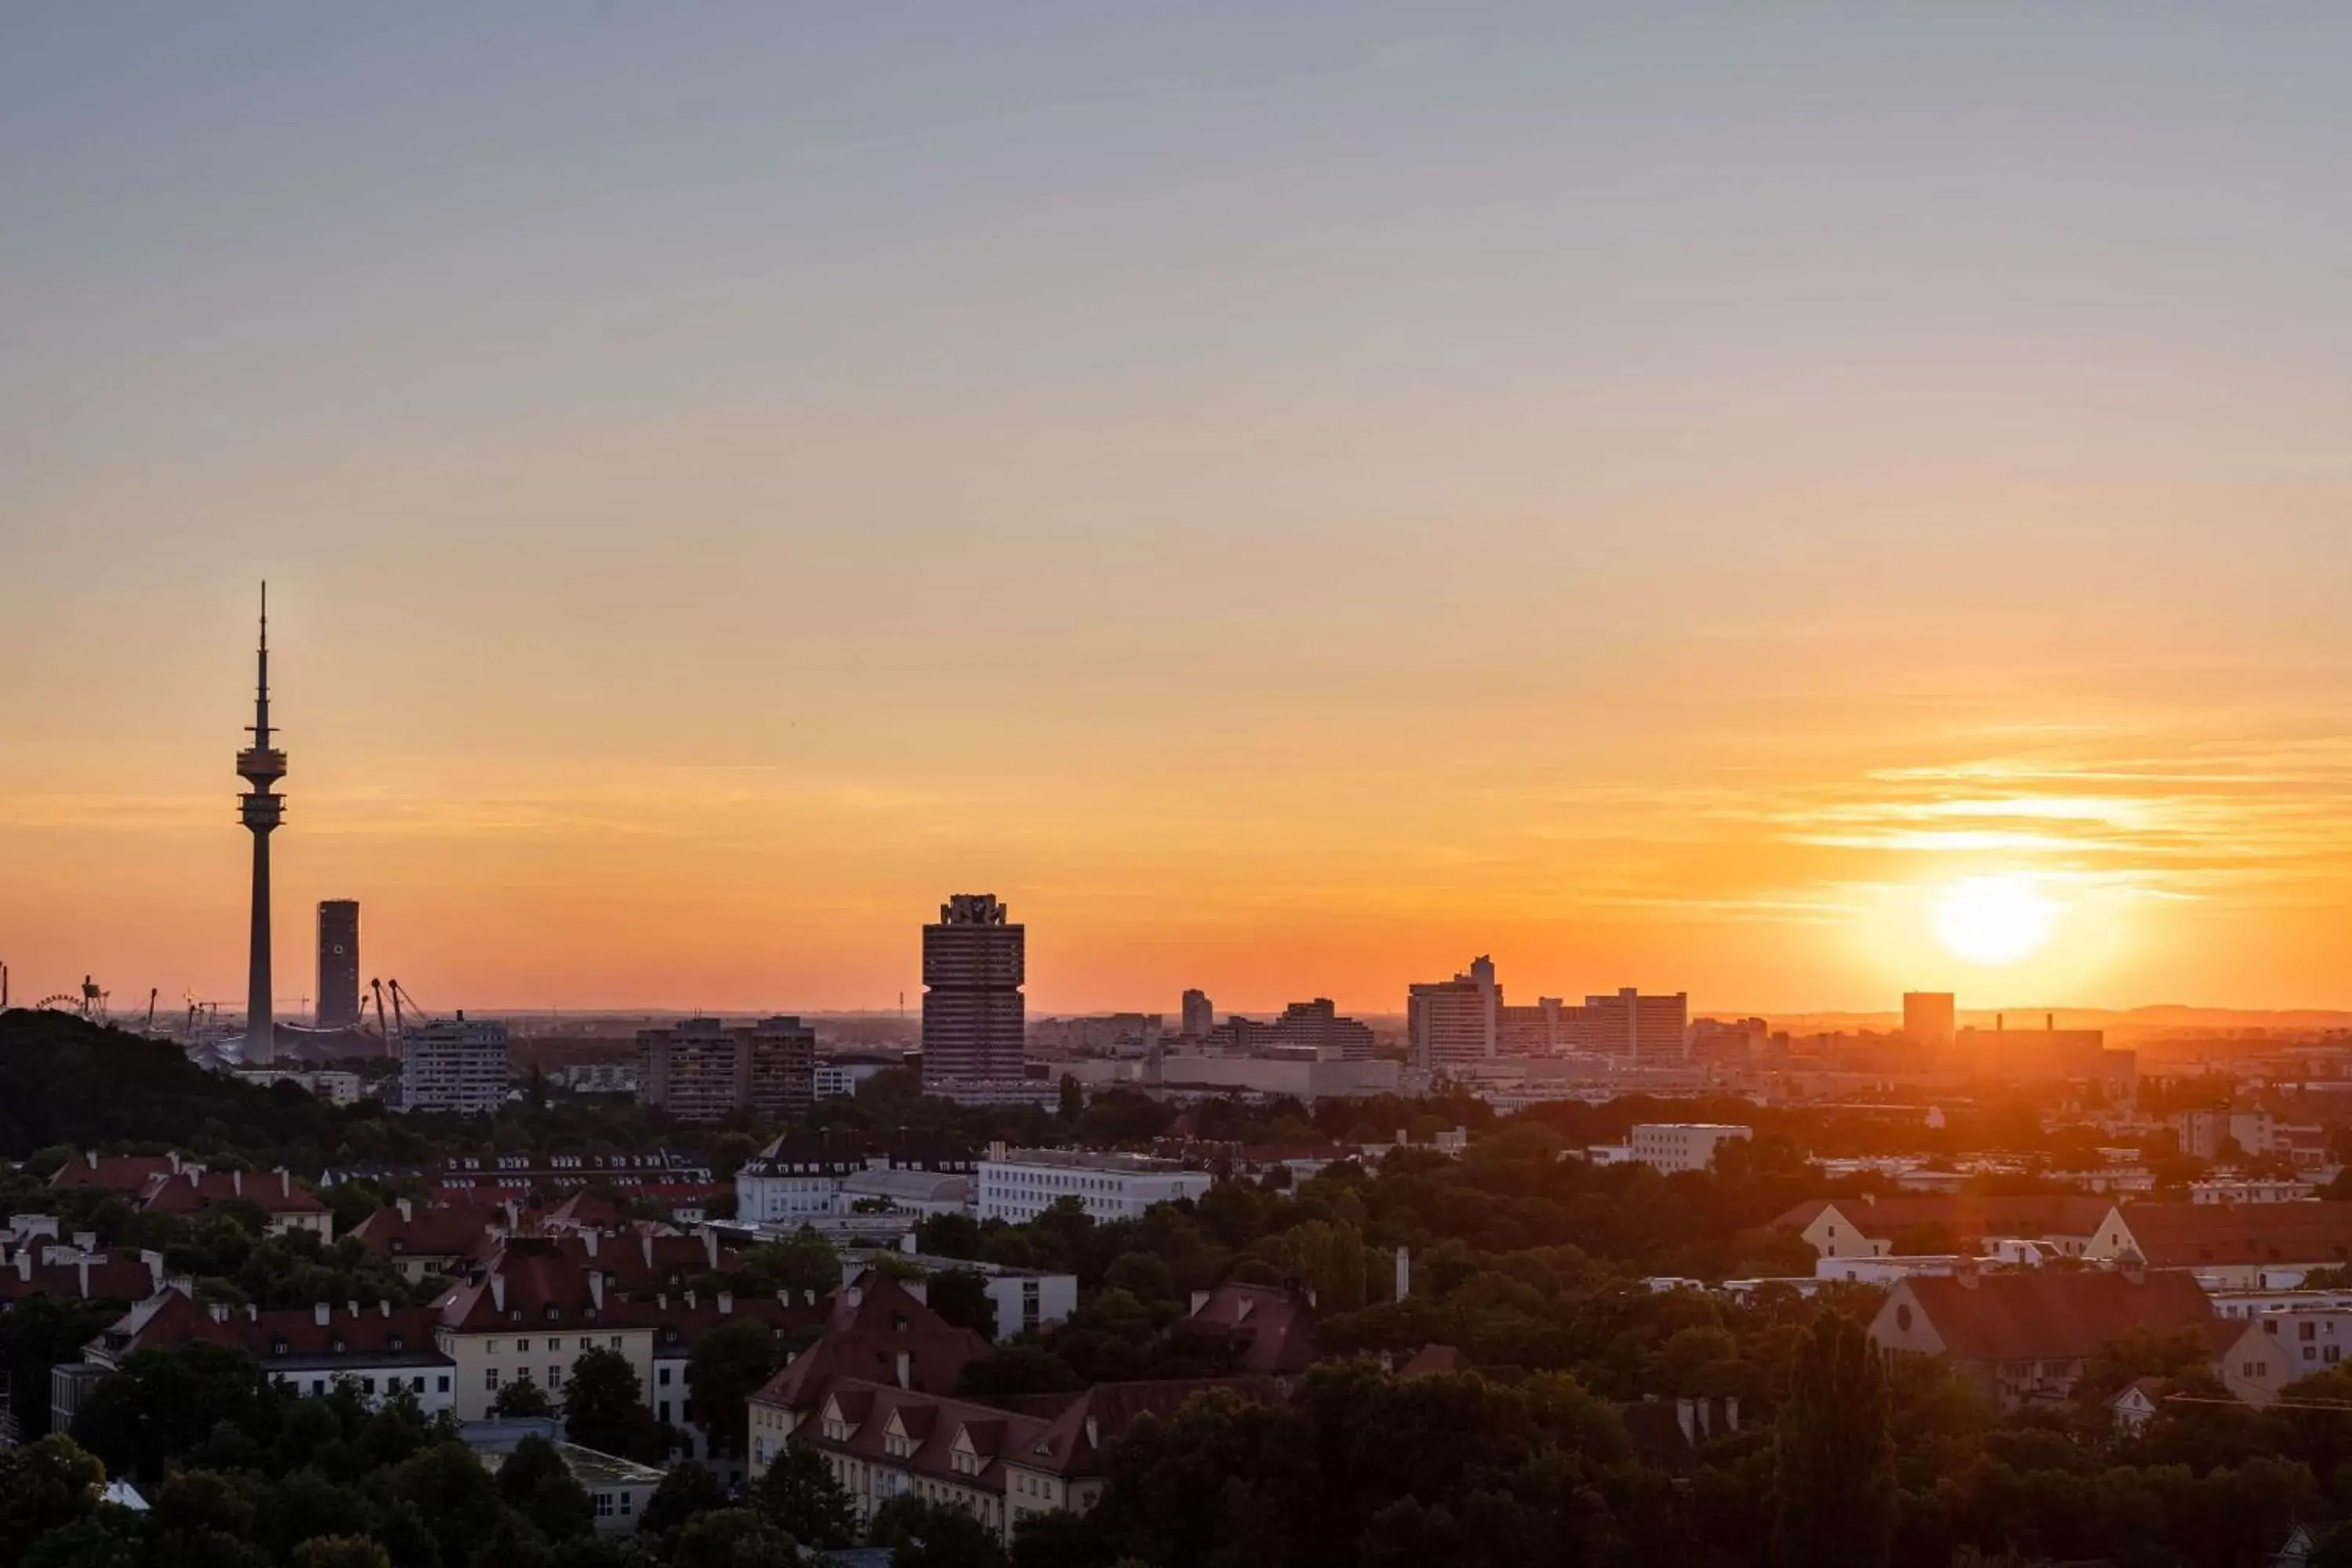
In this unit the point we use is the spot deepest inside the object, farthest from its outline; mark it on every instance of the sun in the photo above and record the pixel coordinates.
(1995, 921)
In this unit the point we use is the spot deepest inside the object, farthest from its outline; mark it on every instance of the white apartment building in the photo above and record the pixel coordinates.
(1018, 1185)
(455, 1065)
(2280, 1348)
(1681, 1146)
(1027, 1300)
(1453, 1023)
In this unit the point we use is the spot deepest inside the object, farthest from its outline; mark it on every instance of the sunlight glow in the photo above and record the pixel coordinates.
(1995, 921)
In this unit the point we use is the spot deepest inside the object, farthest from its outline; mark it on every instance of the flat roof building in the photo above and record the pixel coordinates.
(974, 1019)
(455, 1065)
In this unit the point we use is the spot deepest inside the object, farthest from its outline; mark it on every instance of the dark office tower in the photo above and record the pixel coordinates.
(972, 1010)
(339, 964)
(260, 765)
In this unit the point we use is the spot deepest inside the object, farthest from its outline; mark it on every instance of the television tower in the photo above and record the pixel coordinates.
(261, 765)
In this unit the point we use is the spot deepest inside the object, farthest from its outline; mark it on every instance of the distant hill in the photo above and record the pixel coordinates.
(63, 1080)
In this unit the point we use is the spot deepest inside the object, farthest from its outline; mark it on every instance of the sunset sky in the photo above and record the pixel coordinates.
(1288, 496)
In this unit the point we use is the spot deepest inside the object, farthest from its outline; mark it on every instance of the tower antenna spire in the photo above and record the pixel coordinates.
(261, 765)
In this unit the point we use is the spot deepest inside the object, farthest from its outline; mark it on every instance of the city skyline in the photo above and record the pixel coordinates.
(1287, 505)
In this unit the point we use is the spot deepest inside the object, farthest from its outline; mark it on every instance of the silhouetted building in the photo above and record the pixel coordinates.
(261, 765)
(1538, 1031)
(973, 965)
(1928, 1019)
(339, 964)
(1318, 1026)
(1645, 1028)
(1200, 1017)
(1453, 1022)
(702, 1070)
(455, 1065)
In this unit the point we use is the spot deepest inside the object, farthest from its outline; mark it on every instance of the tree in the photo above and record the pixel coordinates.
(1073, 1098)
(800, 1496)
(50, 1485)
(536, 1483)
(603, 1409)
(725, 1369)
(925, 1534)
(949, 1235)
(523, 1399)
(38, 1333)
(1015, 1370)
(455, 1498)
(732, 1538)
(687, 1490)
(1835, 1462)
(160, 1403)
(961, 1296)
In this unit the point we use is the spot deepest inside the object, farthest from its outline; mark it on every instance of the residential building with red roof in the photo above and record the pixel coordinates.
(875, 1328)
(1272, 1328)
(2232, 1245)
(527, 1312)
(2028, 1335)
(193, 1190)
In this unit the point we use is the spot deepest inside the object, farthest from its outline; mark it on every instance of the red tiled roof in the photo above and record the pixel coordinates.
(527, 1280)
(2190, 1236)
(375, 1331)
(193, 1189)
(1970, 1216)
(869, 1324)
(107, 1277)
(126, 1174)
(1077, 1441)
(2046, 1315)
(456, 1230)
(1276, 1326)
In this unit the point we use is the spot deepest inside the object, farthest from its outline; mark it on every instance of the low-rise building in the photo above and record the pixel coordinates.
(525, 1314)
(193, 1190)
(2230, 1245)
(2276, 1348)
(1672, 1146)
(2027, 1336)
(802, 1177)
(1871, 1227)
(379, 1349)
(1027, 1300)
(1018, 1185)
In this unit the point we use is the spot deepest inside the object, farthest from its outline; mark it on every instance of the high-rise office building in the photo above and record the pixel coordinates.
(339, 964)
(262, 808)
(1648, 1030)
(1452, 1023)
(1929, 1018)
(973, 1014)
(454, 1065)
(700, 1070)
(1200, 1017)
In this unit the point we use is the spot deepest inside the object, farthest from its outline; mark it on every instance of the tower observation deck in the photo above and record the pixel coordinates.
(261, 765)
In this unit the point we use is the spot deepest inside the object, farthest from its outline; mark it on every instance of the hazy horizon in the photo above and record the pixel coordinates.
(1288, 497)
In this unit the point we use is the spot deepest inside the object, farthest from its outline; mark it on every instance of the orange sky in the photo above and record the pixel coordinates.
(1288, 500)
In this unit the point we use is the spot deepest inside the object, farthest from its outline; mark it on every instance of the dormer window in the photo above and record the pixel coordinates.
(278, 1347)
(554, 1312)
(399, 1343)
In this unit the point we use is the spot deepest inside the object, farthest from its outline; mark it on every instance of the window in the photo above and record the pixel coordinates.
(603, 1505)
(490, 1377)
(440, 1386)
(492, 1347)
(616, 1342)
(553, 1343)
(662, 1377)
(523, 1347)
(554, 1377)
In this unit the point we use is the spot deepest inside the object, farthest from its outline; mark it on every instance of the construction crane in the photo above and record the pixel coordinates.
(401, 994)
(150, 1009)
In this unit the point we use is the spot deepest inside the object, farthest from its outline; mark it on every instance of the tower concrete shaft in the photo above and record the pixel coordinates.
(260, 765)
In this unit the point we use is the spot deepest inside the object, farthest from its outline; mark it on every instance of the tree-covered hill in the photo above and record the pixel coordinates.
(65, 1081)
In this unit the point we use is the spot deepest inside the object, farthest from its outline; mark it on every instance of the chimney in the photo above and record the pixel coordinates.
(596, 1288)
(808, 1294)
(173, 1156)
(320, 1312)
(383, 1307)
(252, 1313)
(1687, 1417)
(1200, 1300)
(1093, 1433)
(690, 1300)
(82, 1263)
(1967, 1272)
(498, 1292)
(220, 1311)
(352, 1307)
(905, 1370)
(407, 1210)
(2049, 1022)
(588, 1236)
(237, 1182)
(727, 1303)
(1731, 1413)
(646, 1247)
(1403, 1272)
(711, 1246)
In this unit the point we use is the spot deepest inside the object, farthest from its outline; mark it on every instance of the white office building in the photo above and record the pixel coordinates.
(1018, 1185)
(455, 1066)
(1680, 1145)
